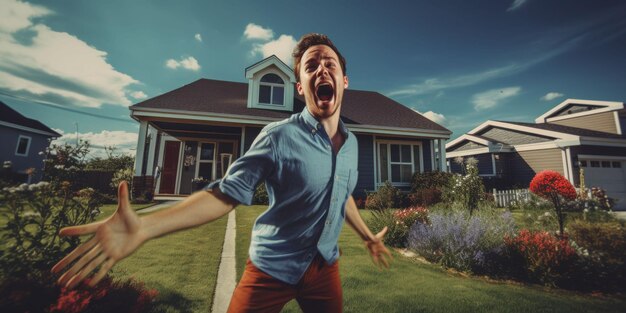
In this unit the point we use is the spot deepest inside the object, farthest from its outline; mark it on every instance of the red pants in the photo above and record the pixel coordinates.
(319, 290)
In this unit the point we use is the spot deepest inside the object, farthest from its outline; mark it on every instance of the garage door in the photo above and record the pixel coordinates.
(608, 174)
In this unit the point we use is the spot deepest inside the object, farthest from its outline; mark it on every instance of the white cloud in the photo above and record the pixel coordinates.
(138, 95)
(189, 63)
(198, 37)
(491, 98)
(171, 63)
(54, 65)
(516, 5)
(257, 32)
(551, 96)
(435, 117)
(281, 47)
(123, 141)
(17, 15)
(436, 84)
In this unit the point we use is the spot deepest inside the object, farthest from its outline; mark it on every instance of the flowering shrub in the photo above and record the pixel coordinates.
(35, 213)
(43, 295)
(425, 197)
(467, 189)
(64, 162)
(554, 187)
(458, 240)
(386, 197)
(107, 296)
(430, 180)
(599, 195)
(398, 223)
(545, 258)
(125, 174)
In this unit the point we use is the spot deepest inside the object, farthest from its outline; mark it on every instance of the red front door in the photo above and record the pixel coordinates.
(170, 167)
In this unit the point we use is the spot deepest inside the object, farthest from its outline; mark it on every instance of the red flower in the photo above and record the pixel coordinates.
(548, 183)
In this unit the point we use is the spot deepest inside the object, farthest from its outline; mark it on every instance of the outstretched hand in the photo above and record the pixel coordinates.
(114, 239)
(379, 253)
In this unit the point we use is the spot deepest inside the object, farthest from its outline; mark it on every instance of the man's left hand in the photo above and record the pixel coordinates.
(379, 253)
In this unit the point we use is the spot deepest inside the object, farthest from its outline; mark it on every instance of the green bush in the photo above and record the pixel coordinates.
(35, 213)
(398, 223)
(430, 180)
(425, 197)
(467, 189)
(386, 197)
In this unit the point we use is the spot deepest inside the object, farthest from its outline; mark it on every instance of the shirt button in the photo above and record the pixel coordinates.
(336, 177)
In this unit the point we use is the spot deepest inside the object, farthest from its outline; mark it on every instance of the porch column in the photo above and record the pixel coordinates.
(152, 134)
(442, 155)
(141, 146)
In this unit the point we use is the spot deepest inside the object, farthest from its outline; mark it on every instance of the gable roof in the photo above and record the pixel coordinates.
(359, 108)
(570, 130)
(13, 119)
(271, 60)
(593, 107)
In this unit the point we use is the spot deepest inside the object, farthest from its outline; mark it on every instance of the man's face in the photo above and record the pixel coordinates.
(321, 81)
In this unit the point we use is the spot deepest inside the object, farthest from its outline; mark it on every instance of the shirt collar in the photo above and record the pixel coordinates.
(313, 123)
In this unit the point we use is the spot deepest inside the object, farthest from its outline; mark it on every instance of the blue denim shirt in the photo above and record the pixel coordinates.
(308, 186)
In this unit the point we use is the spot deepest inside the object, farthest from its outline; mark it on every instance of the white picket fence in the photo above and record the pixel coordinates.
(504, 198)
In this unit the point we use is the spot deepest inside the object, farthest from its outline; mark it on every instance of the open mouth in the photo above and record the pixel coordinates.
(325, 92)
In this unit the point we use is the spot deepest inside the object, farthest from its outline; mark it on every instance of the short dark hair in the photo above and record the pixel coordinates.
(308, 41)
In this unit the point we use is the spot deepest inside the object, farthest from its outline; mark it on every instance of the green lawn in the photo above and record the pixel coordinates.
(182, 266)
(410, 286)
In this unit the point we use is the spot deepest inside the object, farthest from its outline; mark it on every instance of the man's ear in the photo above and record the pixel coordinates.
(299, 88)
(345, 82)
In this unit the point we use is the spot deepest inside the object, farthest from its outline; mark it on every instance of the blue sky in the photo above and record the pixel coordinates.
(458, 62)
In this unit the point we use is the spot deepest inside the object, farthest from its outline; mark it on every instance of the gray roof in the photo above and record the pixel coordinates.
(358, 108)
(7, 114)
(568, 130)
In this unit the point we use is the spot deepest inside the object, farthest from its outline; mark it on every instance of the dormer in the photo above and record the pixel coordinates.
(270, 85)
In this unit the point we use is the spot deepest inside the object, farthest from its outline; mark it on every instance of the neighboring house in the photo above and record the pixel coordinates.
(573, 135)
(22, 139)
(197, 130)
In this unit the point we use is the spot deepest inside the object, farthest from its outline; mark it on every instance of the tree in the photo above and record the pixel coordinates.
(554, 187)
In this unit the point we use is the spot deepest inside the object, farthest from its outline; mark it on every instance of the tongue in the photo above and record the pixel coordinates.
(325, 93)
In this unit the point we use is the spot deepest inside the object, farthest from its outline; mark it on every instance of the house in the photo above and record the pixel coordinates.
(574, 135)
(22, 139)
(199, 129)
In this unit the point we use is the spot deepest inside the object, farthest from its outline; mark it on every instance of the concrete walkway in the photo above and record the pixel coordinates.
(226, 275)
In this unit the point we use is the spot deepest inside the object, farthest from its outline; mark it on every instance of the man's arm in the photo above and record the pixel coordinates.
(374, 243)
(123, 232)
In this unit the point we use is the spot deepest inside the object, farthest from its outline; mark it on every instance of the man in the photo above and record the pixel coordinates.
(308, 162)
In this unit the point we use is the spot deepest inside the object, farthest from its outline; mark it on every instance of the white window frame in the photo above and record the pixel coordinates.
(272, 86)
(198, 160)
(17, 147)
(412, 144)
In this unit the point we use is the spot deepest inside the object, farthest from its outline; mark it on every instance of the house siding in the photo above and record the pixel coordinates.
(366, 167)
(467, 146)
(603, 122)
(9, 137)
(524, 165)
(428, 166)
(592, 150)
(485, 166)
(512, 137)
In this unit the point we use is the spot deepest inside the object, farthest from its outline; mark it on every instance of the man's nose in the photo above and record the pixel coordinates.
(322, 70)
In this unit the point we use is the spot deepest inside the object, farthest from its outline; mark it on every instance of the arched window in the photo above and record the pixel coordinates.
(272, 90)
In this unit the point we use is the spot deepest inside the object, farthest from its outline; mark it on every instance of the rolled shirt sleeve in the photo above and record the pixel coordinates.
(245, 173)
